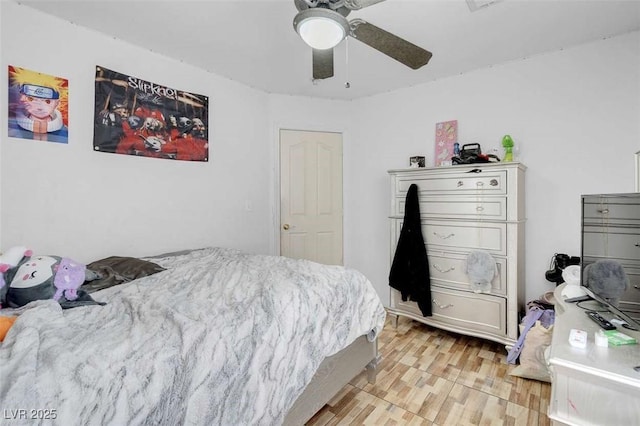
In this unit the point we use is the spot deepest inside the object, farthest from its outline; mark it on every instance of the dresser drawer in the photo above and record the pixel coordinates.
(448, 270)
(465, 236)
(469, 208)
(479, 312)
(607, 211)
(453, 182)
(613, 243)
(461, 236)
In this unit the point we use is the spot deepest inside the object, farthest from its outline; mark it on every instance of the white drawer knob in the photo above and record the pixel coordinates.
(479, 208)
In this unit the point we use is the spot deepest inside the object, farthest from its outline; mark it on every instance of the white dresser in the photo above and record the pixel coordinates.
(592, 386)
(465, 208)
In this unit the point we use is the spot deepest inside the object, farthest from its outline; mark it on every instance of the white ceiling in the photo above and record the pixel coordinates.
(253, 42)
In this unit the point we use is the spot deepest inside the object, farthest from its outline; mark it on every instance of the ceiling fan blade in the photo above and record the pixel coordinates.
(359, 4)
(322, 63)
(389, 44)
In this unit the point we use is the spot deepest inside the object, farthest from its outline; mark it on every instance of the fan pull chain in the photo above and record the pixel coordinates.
(346, 49)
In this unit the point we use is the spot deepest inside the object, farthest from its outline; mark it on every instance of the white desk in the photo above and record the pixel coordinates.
(595, 385)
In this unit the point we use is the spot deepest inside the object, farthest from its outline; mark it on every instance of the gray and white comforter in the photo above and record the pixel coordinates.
(219, 338)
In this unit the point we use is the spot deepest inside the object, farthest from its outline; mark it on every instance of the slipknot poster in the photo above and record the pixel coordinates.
(137, 117)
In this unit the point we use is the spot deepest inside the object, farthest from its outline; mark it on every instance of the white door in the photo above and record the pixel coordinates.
(311, 196)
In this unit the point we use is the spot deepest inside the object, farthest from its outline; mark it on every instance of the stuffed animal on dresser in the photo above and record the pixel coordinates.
(481, 268)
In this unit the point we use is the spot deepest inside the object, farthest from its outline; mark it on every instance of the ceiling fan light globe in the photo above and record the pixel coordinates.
(321, 28)
(321, 33)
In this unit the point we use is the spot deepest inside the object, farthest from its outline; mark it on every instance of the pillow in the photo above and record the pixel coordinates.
(116, 270)
(47, 277)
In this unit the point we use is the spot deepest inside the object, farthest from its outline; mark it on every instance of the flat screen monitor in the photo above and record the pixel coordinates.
(632, 324)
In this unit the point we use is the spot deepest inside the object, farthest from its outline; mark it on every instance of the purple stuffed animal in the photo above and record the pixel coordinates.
(69, 276)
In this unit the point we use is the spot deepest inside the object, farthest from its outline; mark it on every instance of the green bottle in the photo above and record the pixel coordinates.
(507, 144)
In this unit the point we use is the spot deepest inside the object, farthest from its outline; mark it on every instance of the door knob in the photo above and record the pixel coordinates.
(285, 226)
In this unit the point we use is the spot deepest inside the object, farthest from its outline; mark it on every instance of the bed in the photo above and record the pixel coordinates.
(218, 337)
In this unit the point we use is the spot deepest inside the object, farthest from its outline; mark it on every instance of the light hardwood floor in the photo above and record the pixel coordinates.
(432, 377)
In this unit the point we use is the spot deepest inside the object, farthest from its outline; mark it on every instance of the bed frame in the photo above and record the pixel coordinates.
(332, 375)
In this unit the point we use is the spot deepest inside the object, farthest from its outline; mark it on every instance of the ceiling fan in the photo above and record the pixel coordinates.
(322, 24)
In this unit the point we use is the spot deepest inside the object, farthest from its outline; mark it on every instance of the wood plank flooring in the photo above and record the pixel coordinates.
(433, 377)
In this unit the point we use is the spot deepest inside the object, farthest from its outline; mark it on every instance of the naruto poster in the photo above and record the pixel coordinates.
(138, 117)
(38, 106)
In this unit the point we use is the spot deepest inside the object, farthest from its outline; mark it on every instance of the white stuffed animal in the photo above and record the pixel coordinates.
(10, 259)
(481, 268)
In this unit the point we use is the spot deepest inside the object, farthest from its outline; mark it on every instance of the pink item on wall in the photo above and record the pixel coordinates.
(446, 138)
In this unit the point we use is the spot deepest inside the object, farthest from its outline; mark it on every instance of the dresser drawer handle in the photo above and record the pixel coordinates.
(444, 271)
(603, 211)
(460, 183)
(637, 244)
(479, 183)
(636, 286)
(442, 236)
(493, 182)
(435, 302)
(479, 208)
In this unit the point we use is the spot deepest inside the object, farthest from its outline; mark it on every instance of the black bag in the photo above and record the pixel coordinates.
(472, 153)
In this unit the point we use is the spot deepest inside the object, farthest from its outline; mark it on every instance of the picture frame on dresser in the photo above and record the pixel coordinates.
(416, 161)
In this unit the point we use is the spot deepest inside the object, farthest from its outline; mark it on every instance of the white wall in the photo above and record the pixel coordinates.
(575, 114)
(72, 201)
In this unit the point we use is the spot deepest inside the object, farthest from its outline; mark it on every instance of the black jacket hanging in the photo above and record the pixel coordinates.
(410, 267)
